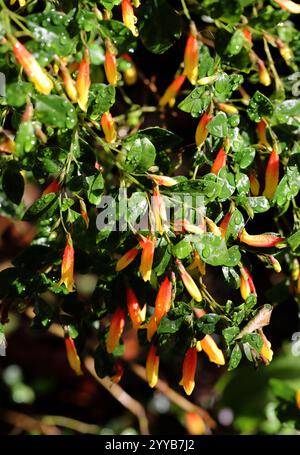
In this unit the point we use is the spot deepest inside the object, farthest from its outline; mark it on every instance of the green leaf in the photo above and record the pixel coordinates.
(259, 106)
(218, 126)
(55, 111)
(236, 43)
(182, 249)
(13, 184)
(196, 102)
(282, 390)
(101, 99)
(212, 249)
(254, 339)
(140, 154)
(46, 205)
(235, 357)
(158, 24)
(95, 188)
(161, 139)
(230, 333)
(294, 240)
(109, 4)
(235, 225)
(244, 157)
(242, 182)
(25, 138)
(87, 20)
(119, 35)
(17, 92)
(286, 111)
(163, 262)
(259, 204)
(206, 325)
(169, 326)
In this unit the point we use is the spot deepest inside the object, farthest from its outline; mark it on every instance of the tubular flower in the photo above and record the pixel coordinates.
(152, 365)
(69, 82)
(171, 92)
(272, 175)
(213, 227)
(228, 108)
(159, 211)
(220, 161)
(260, 240)
(285, 51)
(298, 399)
(191, 56)
(198, 264)
(126, 259)
(84, 213)
(224, 224)
(189, 370)
(210, 348)
(263, 73)
(108, 127)
(266, 351)
(110, 65)
(130, 73)
(137, 315)
(115, 330)
(83, 81)
(148, 247)
(129, 19)
(35, 73)
(254, 184)
(162, 307)
(67, 267)
(188, 282)
(162, 180)
(247, 286)
(275, 264)
(289, 6)
(262, 133)
(201, 131)
(73, 358)
(53, 187)
(194, 423)
(247, 35)
(119, 370)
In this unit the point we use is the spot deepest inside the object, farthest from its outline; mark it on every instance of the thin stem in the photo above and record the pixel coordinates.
(185, 10)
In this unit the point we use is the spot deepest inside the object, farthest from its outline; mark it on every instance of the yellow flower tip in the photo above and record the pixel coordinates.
(152, 366)
(198, 346)
(266, 351)
(126, 259)
(210, 348)
(187, 386)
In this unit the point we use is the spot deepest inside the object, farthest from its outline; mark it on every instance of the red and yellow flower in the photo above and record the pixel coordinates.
(148, 246)
(220, 161)
(272, 175)
(110, 64)
(129, 19)
(188, 282)
(191, 56)
(83, 81)
(162, 307)
(67, 267)
(171, 92)
(108, 127)
(189, 370)
(152, 366)
(260, 240)
(210, 348)
(201, 131)
(136, 313)
(126, 259)
(73, 357)
(115, 330)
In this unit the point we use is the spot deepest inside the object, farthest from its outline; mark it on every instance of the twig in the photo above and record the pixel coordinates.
(119, 394)
(28, 423)
(72, 424)
(175, 397)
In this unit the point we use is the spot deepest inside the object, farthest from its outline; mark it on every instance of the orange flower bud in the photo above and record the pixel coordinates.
(152, 365)
(275, 264)
(162, 180)
(108, 127)
(272, 175)
(67, 267)
(298, 399)
(129, 19)
(266, 351)
(263, 73)
(73, 358)
(220, 161)
(194, 424)
(148, 247)
(198, 264)
(228, 108)
(254, 184)
(130, 73)
(110, 65)
(189, 370)
(262, 133)
(247, 286)
(115, 330)
(224, 224)
(7, 146)
(171, 92)
(69, 82)
(162, 307)
(261, 240)
(191, 57)
(213, 227)
(35, 73)
(247, 35)
(201, 131)
(54, 187)
(119, 370)
(210, 348)
(289, 6)
(137, 315)
(126, 259)
(83, 81)
(159, 212)
(188, 282)
(84, 212)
